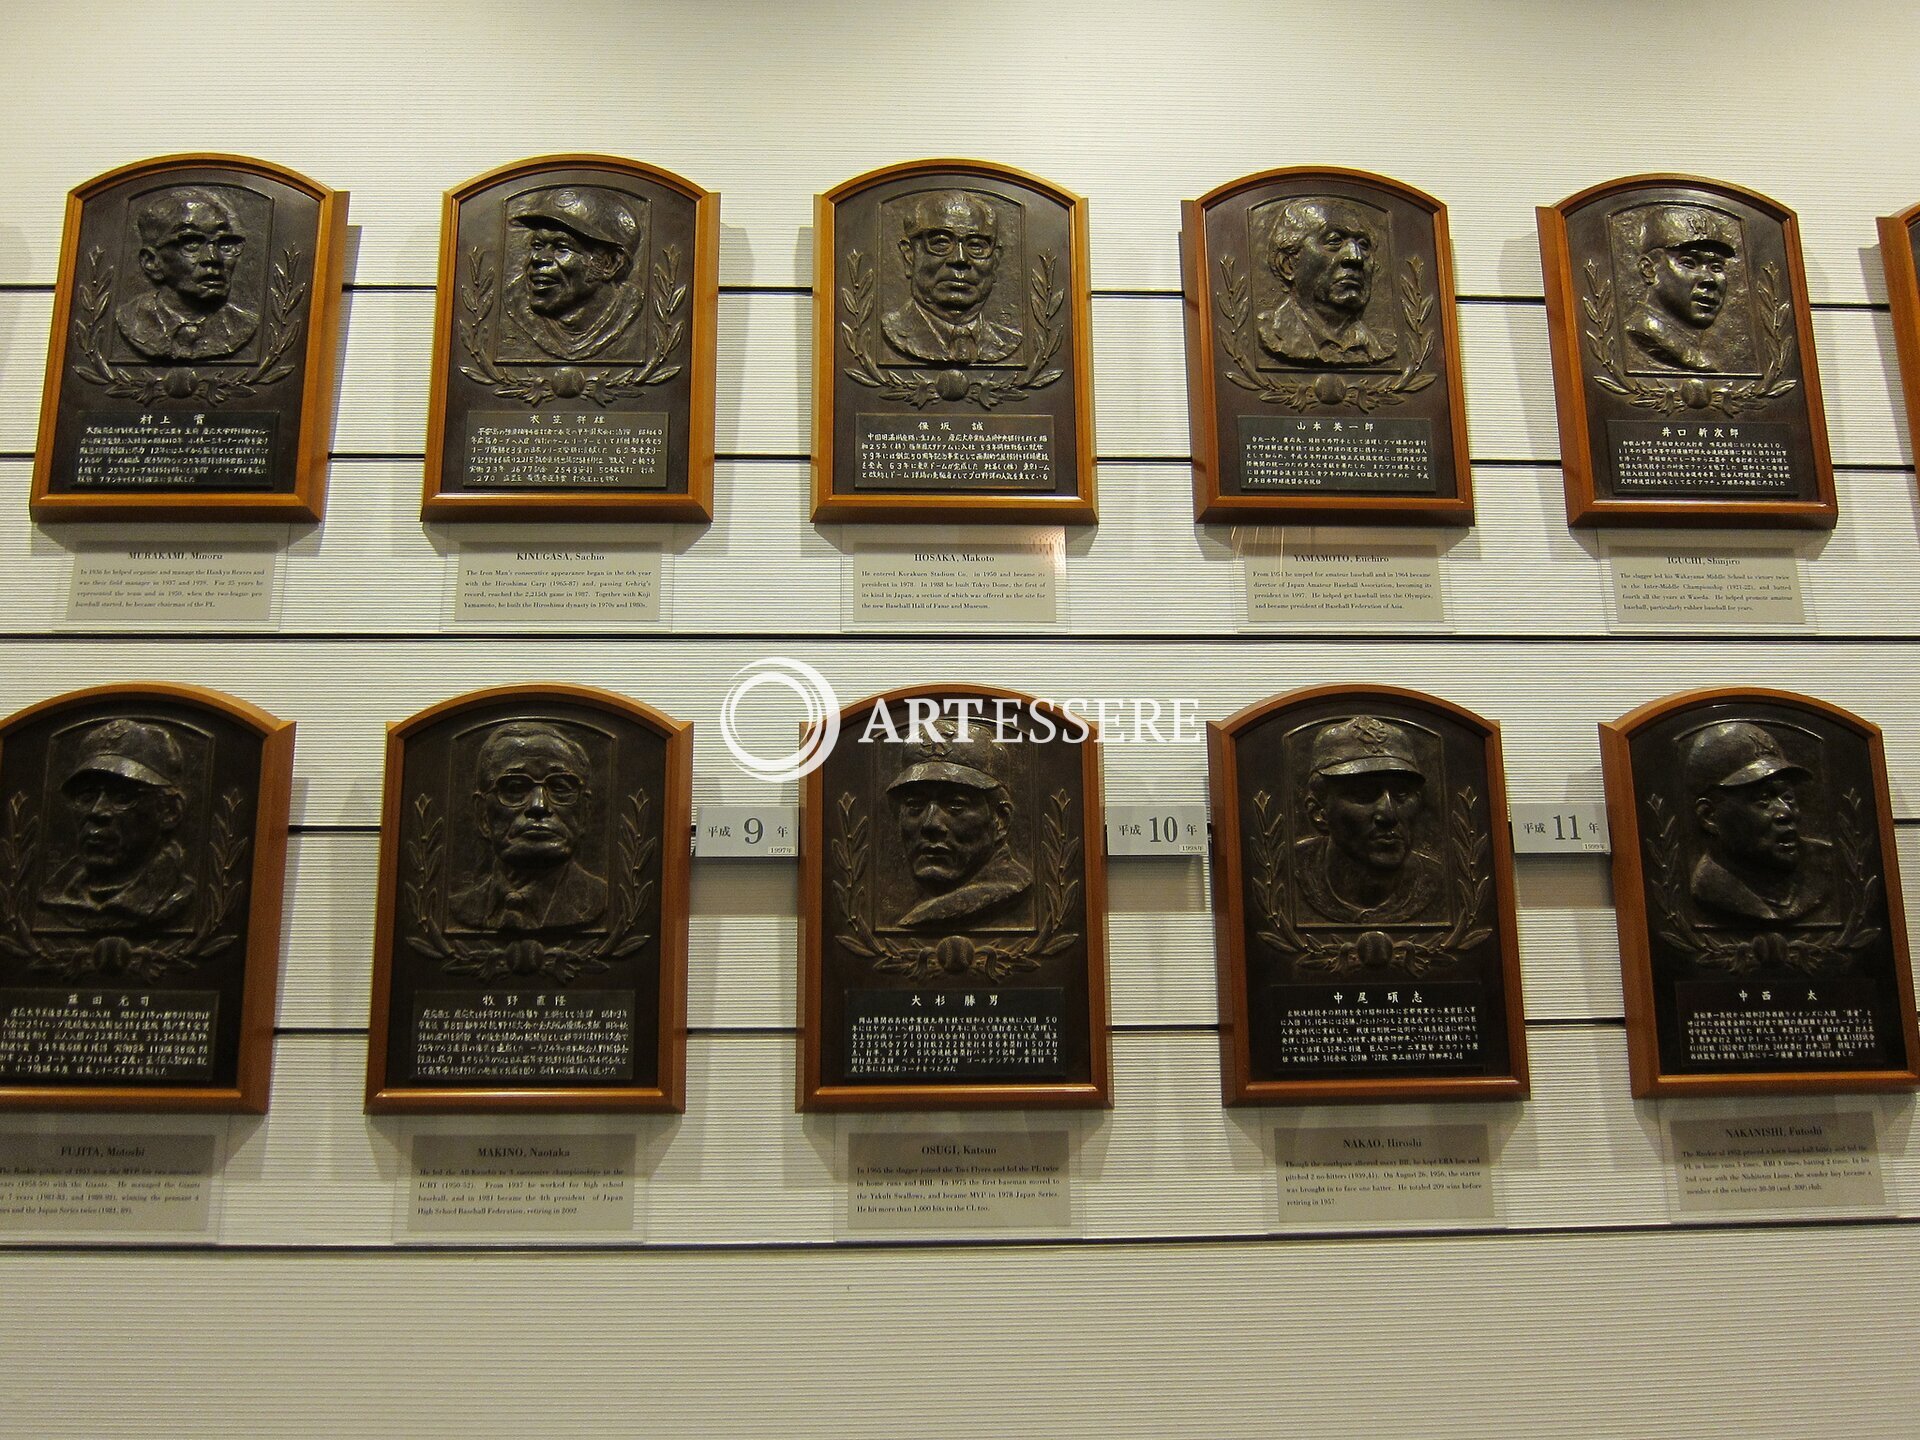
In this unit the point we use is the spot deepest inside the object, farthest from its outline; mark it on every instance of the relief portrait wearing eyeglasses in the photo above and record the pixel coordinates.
(951, 248)
(531, 797)
(190, 244)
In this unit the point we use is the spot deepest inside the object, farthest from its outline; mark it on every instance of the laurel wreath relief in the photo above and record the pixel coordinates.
(479, 326)
(286, 290)
(957, 954)
(1046, 306)
(1402, 948)
(1732, 398)
(489, 959)
(143, 959)
(1233, 302)
(1824, 952)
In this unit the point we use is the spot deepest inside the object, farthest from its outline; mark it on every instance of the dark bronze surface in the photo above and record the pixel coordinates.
(191, 306)
(1687, 331)
(1765, 888)
(125, 880)
(1367, 877)
(954, 886)
(530, 881)
(955, 309)
(1325, 310)
(573, 306)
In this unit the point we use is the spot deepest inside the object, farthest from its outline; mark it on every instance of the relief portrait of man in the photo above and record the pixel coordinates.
(190, 245)
(576, 292)
(951, 246)
(531, 796)
(952, 808)
(125, 799)
(1755, 865)
(1325, 252)
(1683, 256)
(1365, 789)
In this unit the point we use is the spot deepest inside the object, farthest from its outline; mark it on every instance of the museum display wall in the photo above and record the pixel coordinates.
(1178, 1292)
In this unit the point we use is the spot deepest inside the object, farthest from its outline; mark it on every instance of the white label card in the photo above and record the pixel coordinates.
(747, 832)
(934, 584)
(1543, 827)
(518, 1186)
(612, 586)
(1408, 1174)
(1150, 830)
(1014, 1180)
(176, 584)
(134, 1187)
(1304, 582)
(1775, 1163)
(1688, 588)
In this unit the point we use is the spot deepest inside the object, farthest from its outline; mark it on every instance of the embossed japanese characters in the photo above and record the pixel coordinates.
(952, 378)
(141, 864)
(953, 891)
(530, 950)
(1899, 248)
(1762, 942)
(1323, 359)
(1363, 901)
(190, 372)
(1683, 360)
(573, 363)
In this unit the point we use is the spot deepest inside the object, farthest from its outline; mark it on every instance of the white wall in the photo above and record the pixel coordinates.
(1175, 1310)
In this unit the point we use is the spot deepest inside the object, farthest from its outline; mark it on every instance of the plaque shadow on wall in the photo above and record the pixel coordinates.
(1763, 944)
(953, 376)
(531, 931)
(574, 345)
(1363, 901)
(191, 367)
(1683, 363)
(141, 874)
(953, 899)
(1323, 352)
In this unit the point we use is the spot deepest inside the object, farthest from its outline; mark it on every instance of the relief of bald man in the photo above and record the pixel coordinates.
(951, 244)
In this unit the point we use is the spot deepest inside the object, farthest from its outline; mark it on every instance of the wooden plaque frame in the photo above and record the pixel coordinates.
(889, 507)
(1238, 1086)
(1631, 911)
(812, 1092)
(307, 499)
(675, 835)
(1203, 392)
(1903, 296)
(1565, 328)
(695, 504)
(260, 975)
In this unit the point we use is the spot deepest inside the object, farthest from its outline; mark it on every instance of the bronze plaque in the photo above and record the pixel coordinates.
(531, 942)
(1900, 259)
(1762, 942)
(1323, 358)
(191, 369)
(953, 884)
(144, 851)
(1683, 357)
(1363, 894)
(951, 370)
(574, 344)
